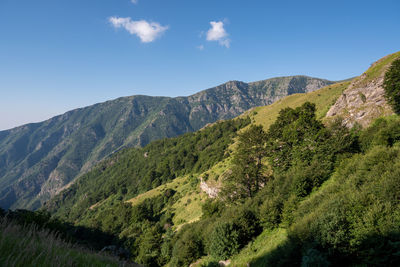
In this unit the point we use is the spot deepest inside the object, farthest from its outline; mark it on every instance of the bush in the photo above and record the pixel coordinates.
(187, 249)
(314, 258)
(149, 247)
(211, 207)
(234, 229)
(224, 240)
(270, 212)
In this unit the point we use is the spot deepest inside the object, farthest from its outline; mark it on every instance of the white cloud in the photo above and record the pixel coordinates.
(200, 47)
(146, 31)
(218, 33)
(135, 1)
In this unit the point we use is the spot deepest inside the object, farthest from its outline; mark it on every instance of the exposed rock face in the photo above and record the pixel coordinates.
(212, 192)
(363, 101)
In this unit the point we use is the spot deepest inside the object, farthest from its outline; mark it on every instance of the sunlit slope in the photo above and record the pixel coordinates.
(364, 100)
(38, 160)
(323, 98)
(188, 208)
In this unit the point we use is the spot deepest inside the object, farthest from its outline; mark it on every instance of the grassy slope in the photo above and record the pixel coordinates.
(378, 67)
(269, 240)
(29, 246)
(187, 209)
(323, 98)
(38, 160)
(190, 210)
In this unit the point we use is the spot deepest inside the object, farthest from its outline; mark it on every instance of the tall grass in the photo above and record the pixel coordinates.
(29, 245)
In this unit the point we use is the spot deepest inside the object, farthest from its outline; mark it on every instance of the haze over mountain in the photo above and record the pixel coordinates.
(37, 160)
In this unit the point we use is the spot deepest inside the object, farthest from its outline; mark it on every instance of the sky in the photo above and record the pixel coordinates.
(57, 55)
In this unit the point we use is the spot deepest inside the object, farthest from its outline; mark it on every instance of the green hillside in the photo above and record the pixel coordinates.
(322, 98)
(299, 190)
(287, 218)
(38, 160)
(26, 240)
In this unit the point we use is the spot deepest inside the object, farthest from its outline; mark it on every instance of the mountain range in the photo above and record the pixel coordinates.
(38, 160)
(309, 180)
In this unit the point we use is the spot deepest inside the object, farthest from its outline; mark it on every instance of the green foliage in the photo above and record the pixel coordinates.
(271, 211)
(335, 190)
(248, 172)
(303, 151)
(354, 220)
(138, 170)
(144, 226)
(314, 258)
(237, 226)
(72, 143)
(224, 240)
(211, 208)
(34, 239)
(391, 84)
(384, 131)
(294, 136)
(187, 248)
(150, 247)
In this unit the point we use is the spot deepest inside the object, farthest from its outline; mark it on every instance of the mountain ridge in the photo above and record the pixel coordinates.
(195, 227)
(37, 160)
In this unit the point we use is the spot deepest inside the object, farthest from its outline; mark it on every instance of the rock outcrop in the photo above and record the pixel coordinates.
(364, 99)
(212, 192)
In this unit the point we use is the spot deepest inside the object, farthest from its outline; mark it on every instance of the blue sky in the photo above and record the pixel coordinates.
(56, 55)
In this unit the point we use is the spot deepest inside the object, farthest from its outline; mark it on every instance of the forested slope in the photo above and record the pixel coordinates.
(294, 189)
(38, 160)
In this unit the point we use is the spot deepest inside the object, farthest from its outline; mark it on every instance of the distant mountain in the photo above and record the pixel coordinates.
(38, 160)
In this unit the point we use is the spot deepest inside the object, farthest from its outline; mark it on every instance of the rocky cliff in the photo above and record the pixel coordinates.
(364, 100)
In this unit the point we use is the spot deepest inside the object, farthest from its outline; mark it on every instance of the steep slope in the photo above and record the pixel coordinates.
(364, 100)
(38, 160)
(137, 170)
(335, 198)
(33, 239)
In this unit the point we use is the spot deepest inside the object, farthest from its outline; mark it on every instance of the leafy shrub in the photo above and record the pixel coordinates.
(149, 247)
(187, 248)
(270, 212)
(224, 240)
(211, 207)
(314, 258)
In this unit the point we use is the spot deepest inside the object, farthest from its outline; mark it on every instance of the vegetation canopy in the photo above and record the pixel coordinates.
(391, 85)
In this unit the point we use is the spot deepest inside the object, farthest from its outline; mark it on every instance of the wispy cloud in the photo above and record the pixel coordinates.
(146, 31)
(218, 33)
(135, 1)
(200, 47)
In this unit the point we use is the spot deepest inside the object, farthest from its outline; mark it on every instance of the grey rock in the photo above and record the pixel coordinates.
(362, 102)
